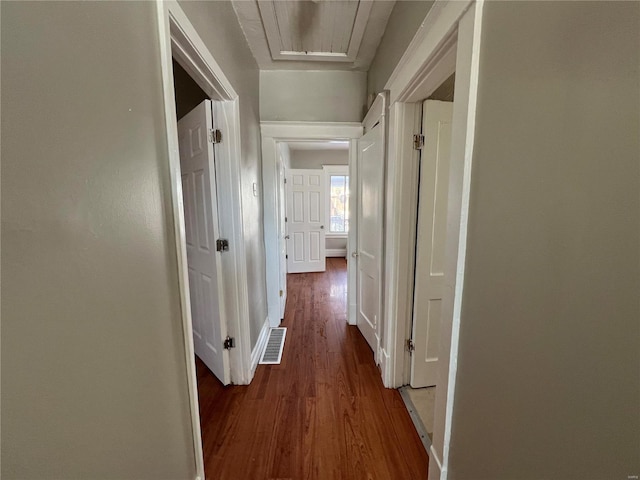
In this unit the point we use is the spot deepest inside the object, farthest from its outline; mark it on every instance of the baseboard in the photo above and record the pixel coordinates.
(259, 348)
(435, 465)
(385, 367)
(336, 252)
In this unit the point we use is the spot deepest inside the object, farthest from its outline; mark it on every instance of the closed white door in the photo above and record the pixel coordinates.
(305, 221)
(201, 228)
(282, 237)
(369, 253)
(431, 239)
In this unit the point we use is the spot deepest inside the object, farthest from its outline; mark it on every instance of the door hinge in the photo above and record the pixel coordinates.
(222, 245)
(418, 142)
(285, 180)
(410, 346)
(281, 293)
(286, 257)
(215, 135)
(285, 219)
(229, 342)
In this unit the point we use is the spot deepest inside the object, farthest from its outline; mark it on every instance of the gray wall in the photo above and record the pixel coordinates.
(318, 158)
(93, 367)
(218, 26)
(548, 382)
(406, 17)
(312, 96)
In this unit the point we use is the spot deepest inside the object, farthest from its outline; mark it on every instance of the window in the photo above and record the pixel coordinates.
(339, 203)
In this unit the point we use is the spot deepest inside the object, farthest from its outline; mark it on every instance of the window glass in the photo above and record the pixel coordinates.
(339, 206)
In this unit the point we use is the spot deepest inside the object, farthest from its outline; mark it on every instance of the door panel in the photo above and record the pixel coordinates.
(305, 221)
(370, 213)
(431, 240)
(201, 229)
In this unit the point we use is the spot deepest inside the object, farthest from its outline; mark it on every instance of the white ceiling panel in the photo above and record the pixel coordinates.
(329, 34)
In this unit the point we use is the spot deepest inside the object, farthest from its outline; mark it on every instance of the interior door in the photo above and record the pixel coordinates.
(431, 239)
(282, 233)
(201, 229)
(370, 234)
(306, 247)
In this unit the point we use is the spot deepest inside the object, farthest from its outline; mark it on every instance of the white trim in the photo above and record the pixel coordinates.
(402, 198)
(463, 137)
(171, 125)
(336, 252)
(428, 57)
(256, 354)
(272, 133)
(352, 240)
(435, 464)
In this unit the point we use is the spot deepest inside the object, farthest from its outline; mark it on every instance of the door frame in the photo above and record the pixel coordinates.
(179, 40)
(448, 41)
(272, 134)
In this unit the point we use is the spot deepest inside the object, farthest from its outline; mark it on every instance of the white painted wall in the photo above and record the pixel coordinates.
(93, 375)
(318, 158)
(323, 96)
(548, 382)
(404, 21)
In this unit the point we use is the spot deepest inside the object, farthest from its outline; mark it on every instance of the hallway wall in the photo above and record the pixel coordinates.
(406, 17)
(218, 26)
(93, 363)
(548, 382)
(312, 96)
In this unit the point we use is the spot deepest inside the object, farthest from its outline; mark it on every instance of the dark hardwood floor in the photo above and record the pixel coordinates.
(322, 413)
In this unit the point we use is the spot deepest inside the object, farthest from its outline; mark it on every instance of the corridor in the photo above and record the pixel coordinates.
(323, 413)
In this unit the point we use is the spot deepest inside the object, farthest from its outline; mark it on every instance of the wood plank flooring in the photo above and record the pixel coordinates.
(322, 413)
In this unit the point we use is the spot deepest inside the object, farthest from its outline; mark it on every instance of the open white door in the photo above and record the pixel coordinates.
(431, 239)
(201, 229)
(370, 234)
(305, 221)
(282, 231)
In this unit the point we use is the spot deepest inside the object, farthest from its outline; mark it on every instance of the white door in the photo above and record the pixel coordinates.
(305, 221)
(431, 239)
(201, 229)
(282, 232)
(370, 235)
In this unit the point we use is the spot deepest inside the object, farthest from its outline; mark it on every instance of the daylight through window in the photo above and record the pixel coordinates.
(339, 207)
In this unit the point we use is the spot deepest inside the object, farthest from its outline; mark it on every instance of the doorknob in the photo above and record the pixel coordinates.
(286, 237)
(322, 227)
(354, 254)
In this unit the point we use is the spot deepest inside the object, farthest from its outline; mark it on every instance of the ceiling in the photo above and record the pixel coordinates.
(313, 34)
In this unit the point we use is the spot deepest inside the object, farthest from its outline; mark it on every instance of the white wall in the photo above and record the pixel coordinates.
(218, 26)
(93, 374)
(314, 96)
(404, 21)
(548, 382)
(318, 158)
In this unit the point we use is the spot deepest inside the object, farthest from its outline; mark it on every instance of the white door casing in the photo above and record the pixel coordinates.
(305, 221)
(431, 242)
(370, 235)
(282, 229)
(201, 230)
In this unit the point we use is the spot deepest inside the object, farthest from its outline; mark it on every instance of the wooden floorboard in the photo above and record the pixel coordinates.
(323, 413)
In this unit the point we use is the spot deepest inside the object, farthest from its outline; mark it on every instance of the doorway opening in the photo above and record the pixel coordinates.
(430, 242)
